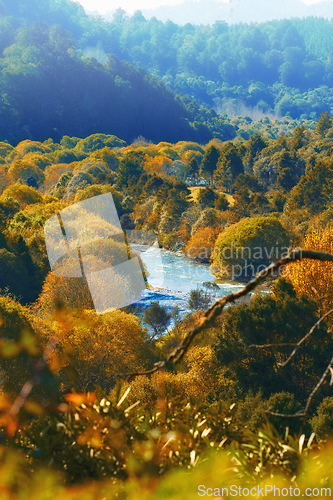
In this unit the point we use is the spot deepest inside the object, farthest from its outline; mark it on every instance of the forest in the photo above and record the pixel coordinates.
(270, 69)
(137, 78)
(220, 404)
(217, 140)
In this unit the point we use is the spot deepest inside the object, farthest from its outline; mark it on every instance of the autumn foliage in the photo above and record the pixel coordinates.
(79, 419)
(315, 278)
(201, 245)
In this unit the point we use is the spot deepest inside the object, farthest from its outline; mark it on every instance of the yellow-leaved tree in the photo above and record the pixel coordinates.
(312, 277)
(87, 349)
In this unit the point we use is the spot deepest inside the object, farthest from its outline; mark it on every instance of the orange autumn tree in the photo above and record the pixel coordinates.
(158, 164)
(201, 245)
(312, 277)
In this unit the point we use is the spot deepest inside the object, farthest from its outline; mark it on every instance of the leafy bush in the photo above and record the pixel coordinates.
(244, 248)
(199, 300)
(24, 195)
(322, 422)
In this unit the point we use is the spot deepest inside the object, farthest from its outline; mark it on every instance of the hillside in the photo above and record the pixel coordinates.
(271, 69)
(49, 88)
(263, 72)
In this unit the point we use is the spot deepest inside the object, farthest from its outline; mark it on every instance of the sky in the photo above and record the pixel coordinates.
(103, 6)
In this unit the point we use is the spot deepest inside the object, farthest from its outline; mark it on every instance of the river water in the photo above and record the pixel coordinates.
(172, 276)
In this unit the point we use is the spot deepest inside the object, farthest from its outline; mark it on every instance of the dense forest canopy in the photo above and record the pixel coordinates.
(48, 90)
(275, 67)
(278, 67)
(258, 193)
(192, 196)
(235, 11)
(59, 64)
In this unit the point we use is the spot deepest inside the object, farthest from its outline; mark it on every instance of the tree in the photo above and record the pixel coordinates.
(315, 279)
(207, 197)
(177, 200)
(209, 161)
(259, 204)
(193, 166)
(229, 166)
(278, 201)
(199, 300)
(8, 208)
(248, 181)
(210, 217)
(290, 168)
(324, 123)
(108, 156)
(130, 169)
(16, 275)
(201, 244)
(313, 191)
(221, 203)
(285, 179)
(298, 140)
(322, 422)
(24, 171)
(157, 318)
(242, 202)
(244, 248)
(279, 317)
(22, 194)
(21, 347)
(254, 146)
(96, 347)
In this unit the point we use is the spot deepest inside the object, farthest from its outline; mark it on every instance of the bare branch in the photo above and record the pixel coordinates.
(303, 413)
(298, 345)
(205, 320)
(318, 386)
(285, 415)
(216, 309)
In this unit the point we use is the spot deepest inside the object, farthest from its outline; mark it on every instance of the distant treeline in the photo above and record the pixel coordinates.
(48, 89)
(276, 67)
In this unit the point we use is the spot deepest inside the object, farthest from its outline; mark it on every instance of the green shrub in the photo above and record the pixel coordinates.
(322, 422)
(246, 247)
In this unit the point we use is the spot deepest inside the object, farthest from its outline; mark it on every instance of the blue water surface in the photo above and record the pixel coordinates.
(172, 276)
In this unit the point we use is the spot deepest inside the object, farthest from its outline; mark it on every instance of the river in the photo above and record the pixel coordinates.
(172, 276)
